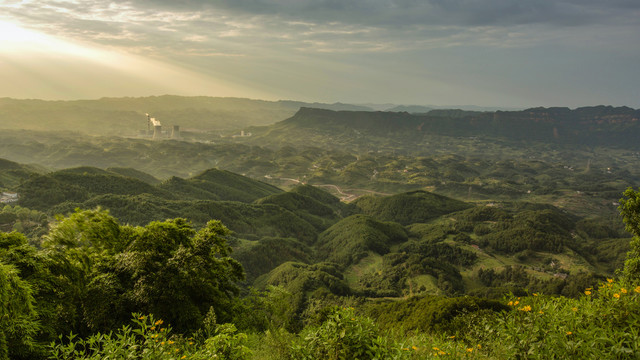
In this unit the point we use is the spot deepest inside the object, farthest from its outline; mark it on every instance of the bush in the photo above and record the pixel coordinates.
(344, 336)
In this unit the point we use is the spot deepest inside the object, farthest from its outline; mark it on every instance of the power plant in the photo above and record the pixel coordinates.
(157, 133)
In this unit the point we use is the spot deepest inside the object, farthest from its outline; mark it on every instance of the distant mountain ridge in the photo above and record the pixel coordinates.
(594, 126)
(127, 115)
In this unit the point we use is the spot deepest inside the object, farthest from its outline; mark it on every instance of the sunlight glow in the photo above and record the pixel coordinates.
(34, 64)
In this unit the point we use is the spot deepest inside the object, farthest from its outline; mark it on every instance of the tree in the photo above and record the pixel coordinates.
(18, 323)
(164, 268)
(630, 210)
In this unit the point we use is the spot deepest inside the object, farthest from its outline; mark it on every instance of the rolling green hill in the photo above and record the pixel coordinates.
(214, 184)
(409, 208)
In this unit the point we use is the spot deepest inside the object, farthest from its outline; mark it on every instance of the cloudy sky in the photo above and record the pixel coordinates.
(512, 53)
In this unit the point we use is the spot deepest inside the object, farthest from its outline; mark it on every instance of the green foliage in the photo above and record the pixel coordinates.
(311, 210)
(544, 230)
(344, 335)
(630, 210)
(262, 256)
(433, 314)
(166, 268)
(409, 208)
(352, 238)
(18, 324)
(214, 184)
(304, 282)
(149, 340)
(601, 324)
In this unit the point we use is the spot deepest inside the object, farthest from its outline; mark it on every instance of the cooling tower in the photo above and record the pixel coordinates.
(157, 131)
(175, 133)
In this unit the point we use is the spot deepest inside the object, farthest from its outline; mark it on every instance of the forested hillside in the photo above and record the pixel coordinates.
(327, 235)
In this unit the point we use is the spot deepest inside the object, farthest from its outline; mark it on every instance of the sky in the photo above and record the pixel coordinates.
(508, 53)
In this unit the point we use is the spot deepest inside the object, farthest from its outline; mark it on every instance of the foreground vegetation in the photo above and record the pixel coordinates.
(71, 298)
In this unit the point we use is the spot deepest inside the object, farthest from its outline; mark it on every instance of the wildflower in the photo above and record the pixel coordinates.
(574, 309)
(159, 322)
(183, 357)
(190, 342)
(516, 303)
(540, 312)
(405, 349)
(589, 289)
(469, 349)
(535, 294)
(162, 343)
(623, 290)
(510, 303)
(177, 350)
(170, 342)
(479, 346)
(616, 295)
(152, 328)
(610, 281)
(414, 347)
(452, 337)
(141, 317)
(587, 292)
(569, 333)
(435, 348)
(525, 308)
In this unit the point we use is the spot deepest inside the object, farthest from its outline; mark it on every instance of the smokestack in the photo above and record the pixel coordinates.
(175, 133)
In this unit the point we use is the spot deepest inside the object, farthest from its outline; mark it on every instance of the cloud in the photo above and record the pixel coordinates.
(413, 12)
(236, 27)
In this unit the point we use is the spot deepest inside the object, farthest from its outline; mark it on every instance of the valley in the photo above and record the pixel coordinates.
(332, 208)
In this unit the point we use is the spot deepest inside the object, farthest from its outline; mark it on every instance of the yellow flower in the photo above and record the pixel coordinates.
(153, 328)
(435, 348)
(623, 290)
(535, 294)
(441, 352)
(452, 337)
(183, 357)
(469, 349)
(540, 312)
(574, 309)
(616, 295)
(587, 292)
(177, 350)
(190, 342)
(510, 303)
(170, 342)
(479, 346)
(414, 347)
(159, 322)
(162, 343)
(610, 281)
(589, 289)
(569, 333)
(141, 317)
(516, 303)
(525, 308)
